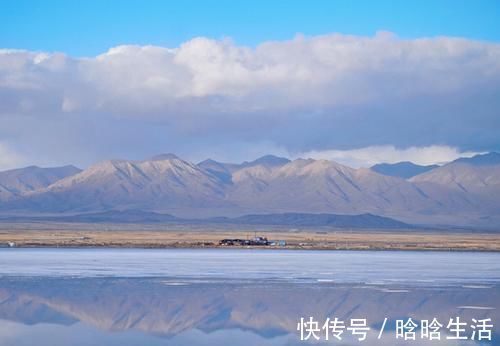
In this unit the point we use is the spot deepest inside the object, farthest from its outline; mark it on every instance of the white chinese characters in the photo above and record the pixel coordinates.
(405, 329)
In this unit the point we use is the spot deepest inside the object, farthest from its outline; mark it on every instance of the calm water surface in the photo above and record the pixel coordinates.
(247, 297)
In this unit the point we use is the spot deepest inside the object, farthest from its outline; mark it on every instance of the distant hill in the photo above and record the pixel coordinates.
(469, 183)
(267, 160)
(403, 170)
(223, 169)
(126, 216)
(285, 219)
(217, 169)
(318, 220)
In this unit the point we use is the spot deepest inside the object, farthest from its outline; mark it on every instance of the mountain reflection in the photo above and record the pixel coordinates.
(166, 308)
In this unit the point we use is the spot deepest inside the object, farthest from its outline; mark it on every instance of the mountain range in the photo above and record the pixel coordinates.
(462, 192)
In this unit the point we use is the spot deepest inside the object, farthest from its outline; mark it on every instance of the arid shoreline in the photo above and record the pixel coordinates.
(307, 239)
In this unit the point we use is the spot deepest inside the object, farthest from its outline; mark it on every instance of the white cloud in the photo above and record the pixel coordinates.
(8, 158)
(303, 94)
(309, 72)
(369, 156)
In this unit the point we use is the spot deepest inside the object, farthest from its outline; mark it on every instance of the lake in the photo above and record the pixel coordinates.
(250, 297)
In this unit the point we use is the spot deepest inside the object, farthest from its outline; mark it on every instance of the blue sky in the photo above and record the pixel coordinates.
(88, 28)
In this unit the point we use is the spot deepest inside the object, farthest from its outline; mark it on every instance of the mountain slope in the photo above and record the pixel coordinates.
(158, 183)
(323, 186)
(16, 182)
(476, 179)
(487, 159)
(478, 174)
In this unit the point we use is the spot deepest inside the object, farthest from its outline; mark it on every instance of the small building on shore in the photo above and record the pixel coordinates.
(255, 241)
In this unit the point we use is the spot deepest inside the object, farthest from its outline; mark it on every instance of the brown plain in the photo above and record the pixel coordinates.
(304, 239)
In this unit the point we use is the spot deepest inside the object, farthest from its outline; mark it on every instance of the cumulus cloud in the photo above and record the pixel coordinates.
(304, 94)
(369, 156)
(313, 72)
(8, 158)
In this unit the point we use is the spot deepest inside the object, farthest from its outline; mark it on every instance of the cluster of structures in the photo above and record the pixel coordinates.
(256, 241)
